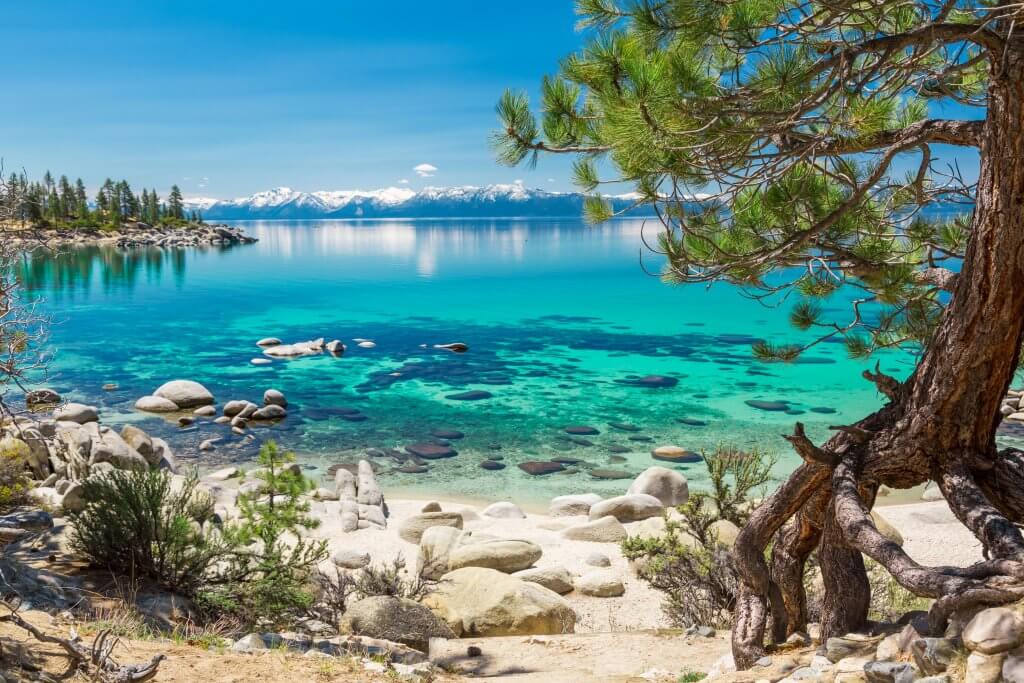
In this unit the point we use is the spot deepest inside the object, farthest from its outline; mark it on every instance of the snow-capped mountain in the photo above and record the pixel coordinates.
(492, 201)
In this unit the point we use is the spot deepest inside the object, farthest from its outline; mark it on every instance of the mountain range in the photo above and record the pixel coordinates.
(492, 201)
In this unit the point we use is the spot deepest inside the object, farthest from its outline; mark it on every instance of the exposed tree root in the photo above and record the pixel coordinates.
(97, 658)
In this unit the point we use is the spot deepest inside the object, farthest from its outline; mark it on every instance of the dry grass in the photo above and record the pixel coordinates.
(186, 662)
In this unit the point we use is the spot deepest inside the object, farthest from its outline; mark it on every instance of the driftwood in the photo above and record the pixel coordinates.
(95, 659)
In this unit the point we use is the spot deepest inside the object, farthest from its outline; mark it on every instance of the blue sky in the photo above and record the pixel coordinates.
(255, 94)
(227, 98)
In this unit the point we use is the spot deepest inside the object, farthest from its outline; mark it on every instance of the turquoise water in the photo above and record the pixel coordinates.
(560, 319)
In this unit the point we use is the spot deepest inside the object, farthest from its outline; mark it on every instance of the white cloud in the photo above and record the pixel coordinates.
(517, 181)
(425, 170)
(403, 181)
(551, 180)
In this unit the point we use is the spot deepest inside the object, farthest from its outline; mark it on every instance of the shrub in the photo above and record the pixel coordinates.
(257, 570)
(14, 480)
(335, 590)
(268, 578)
(141, 524)
(687, 563)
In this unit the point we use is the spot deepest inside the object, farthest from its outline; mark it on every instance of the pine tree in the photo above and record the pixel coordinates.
(816, 128)
(175, 204)
(81, 200)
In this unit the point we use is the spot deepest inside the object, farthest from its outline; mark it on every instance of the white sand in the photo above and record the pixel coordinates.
(932, 535)
(638, 608)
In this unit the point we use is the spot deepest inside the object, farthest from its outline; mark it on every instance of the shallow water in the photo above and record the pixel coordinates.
(559, 318)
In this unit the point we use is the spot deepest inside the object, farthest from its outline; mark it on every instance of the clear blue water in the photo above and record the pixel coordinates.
(559, 317)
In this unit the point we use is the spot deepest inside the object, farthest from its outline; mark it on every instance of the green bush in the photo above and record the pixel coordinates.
(698, 575)
(14, 480)
(269, 577)
(258, 570)
(141, 524)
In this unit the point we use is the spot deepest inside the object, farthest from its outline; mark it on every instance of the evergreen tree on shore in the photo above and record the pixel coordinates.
(816, 126)
(59, 203)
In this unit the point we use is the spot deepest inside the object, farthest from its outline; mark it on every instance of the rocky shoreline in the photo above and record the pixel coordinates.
(136, 234)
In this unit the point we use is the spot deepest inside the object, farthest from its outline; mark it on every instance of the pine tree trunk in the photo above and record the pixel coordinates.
(939, 425)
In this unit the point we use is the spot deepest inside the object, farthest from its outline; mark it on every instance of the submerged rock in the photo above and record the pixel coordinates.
(475, 395)
(581, 430)
(771, 406)
(538, 468)
(675, 454)
(431, 451)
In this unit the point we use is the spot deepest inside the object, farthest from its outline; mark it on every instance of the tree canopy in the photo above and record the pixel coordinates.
(811, 129)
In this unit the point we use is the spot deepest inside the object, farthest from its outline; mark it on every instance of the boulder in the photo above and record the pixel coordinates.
(604, 530)
(205, 411)
(42, 397)
(110, 447)
(436, 546)
(232, 408)
(886, 529)
(628, 508)
(994, 630)
(273, 397)
(480, 602)
(346, 558)
(269, 412)
(76, 412)
(675, 454)
(504, 555)
(185, 393)
(668, 486)
(269, 341)
(412, 529)
(156, 404)
(557, 579)
(504, 511)
(396, 619)
(596, 559)
(141, 442)
(600, 584)
(726, 531)
(567, 506)
(369, 492)
(981, 668)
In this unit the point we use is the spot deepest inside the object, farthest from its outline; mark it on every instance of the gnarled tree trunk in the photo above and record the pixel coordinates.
(939, 425)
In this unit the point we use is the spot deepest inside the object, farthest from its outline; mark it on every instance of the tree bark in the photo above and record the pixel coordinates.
(940, 425)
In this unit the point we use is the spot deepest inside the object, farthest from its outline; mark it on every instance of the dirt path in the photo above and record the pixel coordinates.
(591, 657)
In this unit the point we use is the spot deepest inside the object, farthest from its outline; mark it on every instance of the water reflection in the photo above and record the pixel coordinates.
(81, 269)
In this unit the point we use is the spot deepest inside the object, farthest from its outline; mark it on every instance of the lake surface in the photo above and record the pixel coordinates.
(560, 319)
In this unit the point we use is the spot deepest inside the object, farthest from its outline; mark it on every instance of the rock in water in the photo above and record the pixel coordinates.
(269, 341)
(40, 397)
(483, 602)
(675, 454)
(475, 395)
(273, 397)
(156, 404)
(537, 468)
(185, 393)
(76, 412)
